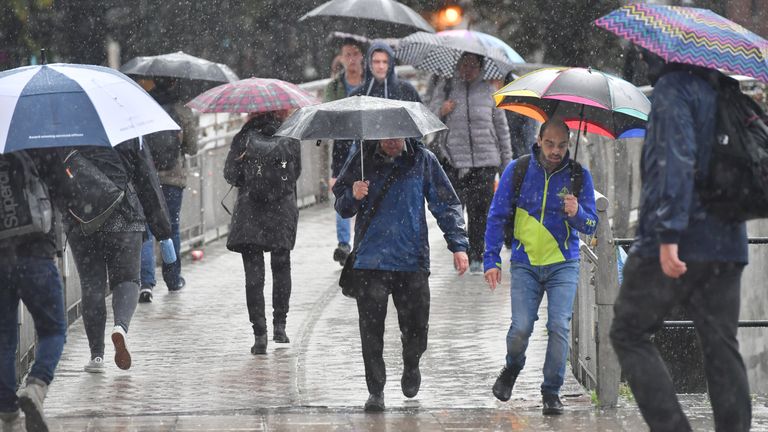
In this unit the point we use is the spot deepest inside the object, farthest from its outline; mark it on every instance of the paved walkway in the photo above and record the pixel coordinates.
(193, 371)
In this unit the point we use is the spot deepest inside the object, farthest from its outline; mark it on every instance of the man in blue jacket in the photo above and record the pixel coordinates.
(392, 256)
(545, 254)
(379, 80)
(682, 255)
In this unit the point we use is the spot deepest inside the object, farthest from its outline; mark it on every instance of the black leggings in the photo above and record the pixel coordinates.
(107, 260)
(253, 261)
(475, 190)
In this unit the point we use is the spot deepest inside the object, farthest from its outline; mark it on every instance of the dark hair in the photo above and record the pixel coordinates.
(353, 42)
(480, 59)
(554, 122)
(266, 123)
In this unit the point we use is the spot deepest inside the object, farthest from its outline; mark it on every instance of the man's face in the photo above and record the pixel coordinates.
(351, 57)
(380, 65)
(553, 144)
(392, 147)
(469, 67)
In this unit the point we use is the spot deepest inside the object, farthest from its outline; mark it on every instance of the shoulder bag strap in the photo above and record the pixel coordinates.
(375, 205)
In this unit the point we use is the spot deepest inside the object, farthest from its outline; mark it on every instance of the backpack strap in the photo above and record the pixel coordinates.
(577, 178)
(518, 175)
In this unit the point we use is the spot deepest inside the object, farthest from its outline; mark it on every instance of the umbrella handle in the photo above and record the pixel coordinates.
(578, 132)
(362, 176)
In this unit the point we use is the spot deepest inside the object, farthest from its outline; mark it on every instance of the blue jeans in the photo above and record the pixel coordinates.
(171, 272)
(529, 283)
(37, 283)
(343, 229)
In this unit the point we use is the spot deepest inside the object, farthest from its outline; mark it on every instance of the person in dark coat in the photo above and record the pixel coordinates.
(683, 255)
(392, 255)
(110, 257)
(263, 224)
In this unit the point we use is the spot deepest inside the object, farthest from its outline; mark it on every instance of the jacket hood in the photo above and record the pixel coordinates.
(370, 81)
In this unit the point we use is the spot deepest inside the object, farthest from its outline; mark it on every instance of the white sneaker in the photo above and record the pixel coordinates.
(31, 398)
(96, 365)
(122, 356)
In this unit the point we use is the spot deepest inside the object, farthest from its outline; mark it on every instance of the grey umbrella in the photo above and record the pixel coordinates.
(372, 18)
(361, 118)
(179, 65)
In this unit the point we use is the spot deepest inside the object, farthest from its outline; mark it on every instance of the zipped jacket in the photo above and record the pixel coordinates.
(543, 234)
(397, 238)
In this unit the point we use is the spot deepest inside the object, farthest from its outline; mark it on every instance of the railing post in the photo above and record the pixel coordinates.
(606, 290)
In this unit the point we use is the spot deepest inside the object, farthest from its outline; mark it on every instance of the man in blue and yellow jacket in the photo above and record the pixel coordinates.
(545, 254)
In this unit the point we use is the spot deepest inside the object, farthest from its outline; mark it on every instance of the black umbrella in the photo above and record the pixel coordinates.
(372, 18)
(361, 118)
(179, 65)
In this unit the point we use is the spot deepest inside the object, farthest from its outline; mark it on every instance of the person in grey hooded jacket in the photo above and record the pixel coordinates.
(477, 145)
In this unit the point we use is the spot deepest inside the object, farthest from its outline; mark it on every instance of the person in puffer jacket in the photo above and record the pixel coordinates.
(477, 145)
(545, 254)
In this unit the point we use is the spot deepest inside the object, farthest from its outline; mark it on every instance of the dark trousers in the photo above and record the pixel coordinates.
(410, 293)
(107, 260)
(253, 261)
(475, 190)
(710, 293)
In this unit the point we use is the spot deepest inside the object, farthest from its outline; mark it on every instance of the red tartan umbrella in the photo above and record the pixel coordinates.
(252, 95)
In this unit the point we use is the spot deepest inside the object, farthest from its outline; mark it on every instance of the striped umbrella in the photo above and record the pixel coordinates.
(693, 36)
(59, 105)
(440, 53)
(584, 98)
(252, 95)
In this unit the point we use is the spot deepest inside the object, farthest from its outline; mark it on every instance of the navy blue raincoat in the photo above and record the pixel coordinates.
(679, 139)
(397, 238)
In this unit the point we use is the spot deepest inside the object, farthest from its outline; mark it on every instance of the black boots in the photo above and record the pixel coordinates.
(502, 389)
(551, 404)
(375, 403)
(260, 345)
(279, 335)
(410, 382)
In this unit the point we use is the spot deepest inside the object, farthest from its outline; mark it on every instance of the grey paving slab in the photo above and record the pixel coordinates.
(193, 370)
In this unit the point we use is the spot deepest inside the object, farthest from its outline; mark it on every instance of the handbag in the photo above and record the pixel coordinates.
(348, 280)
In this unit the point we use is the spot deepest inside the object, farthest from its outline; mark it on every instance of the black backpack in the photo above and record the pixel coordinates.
(25, 206)
(735, 187)
(518, 176)
(269, 168)
(93, 185)
(165, 146)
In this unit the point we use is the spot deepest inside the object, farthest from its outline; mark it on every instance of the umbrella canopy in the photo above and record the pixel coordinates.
(179, 65)
(692, 36)
(252, 95)
(605, 104)
(371, 18)
(487, 40)
(61, 105)
(440, 53)
(361, 118)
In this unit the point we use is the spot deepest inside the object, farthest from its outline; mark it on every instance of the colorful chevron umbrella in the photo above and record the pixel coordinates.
(598, 102)
(692, 36)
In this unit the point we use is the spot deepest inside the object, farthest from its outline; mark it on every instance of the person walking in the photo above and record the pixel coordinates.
(682, 255)
(168, 149)
(340, 87)
(264, 168)
(548, 211)
(392, 256)
(476, 147)
(110, 257)
(28, 273)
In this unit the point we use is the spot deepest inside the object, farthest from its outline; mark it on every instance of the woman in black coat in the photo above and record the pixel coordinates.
(264, 168)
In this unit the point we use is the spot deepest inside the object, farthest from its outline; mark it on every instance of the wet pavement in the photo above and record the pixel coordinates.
(193, 371)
